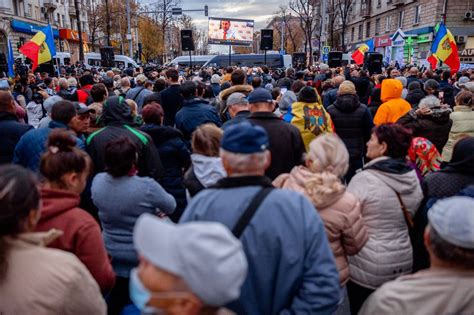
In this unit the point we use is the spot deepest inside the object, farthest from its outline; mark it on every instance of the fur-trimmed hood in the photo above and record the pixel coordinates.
(246, 89)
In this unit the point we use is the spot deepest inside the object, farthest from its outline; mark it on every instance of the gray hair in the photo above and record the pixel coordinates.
(403, 80)
(72, 81)
(241, 163)
(63, 83)
(125, 81)
(429, 102)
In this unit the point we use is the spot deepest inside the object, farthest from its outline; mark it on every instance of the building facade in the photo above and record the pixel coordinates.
(403, 30)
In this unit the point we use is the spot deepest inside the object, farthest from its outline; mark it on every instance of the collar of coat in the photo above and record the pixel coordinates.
(265, 115)
(240, 181)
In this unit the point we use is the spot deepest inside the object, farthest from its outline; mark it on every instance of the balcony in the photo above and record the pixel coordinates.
(398, 3)
(365, 10)
(50, 5)
(72, 9)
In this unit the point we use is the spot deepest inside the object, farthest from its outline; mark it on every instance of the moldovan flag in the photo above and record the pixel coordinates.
(41, 47)
(445, 49)
(358, 55)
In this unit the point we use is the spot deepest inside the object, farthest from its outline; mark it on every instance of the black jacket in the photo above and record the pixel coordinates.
(414, 97)
(171, 101)
(10, 133)
(286, 145)
(352, 122)
(433, 127)
(175, 157)
(118, 120)
(375, 101)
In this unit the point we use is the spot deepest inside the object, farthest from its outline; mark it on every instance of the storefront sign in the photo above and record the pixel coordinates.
(424, 38)
(383, 41)
(72, 35)
(29, 28)
(467, 52)
(398, 39)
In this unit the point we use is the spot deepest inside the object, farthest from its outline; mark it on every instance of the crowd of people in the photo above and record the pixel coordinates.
(237, 191)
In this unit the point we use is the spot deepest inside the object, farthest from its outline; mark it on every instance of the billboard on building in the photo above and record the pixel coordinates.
(226, 31)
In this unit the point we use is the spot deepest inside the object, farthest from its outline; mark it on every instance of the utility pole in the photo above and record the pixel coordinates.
(323, 38)
(79, 30)
(129, 31)
(107, 17)
(282, 48)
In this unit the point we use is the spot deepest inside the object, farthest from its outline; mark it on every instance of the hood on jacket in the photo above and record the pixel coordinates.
(57, 201)
(246, 89)
(116, 111)
(397, 174)
(439, 115)
(391, 89)
(208, 169)
(347, 103)
(323, 189)
(161, 134)
(194, 101)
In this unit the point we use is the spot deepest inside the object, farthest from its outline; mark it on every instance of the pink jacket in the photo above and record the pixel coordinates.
(339, 210)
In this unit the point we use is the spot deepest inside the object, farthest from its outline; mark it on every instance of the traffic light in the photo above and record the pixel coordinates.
(206, 10)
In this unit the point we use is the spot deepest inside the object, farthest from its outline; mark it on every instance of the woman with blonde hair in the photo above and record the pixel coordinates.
(206, 168)
(327, 162)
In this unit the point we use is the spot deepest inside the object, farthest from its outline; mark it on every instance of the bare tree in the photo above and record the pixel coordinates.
(290, 31)
(333, 13)
(344, 7)
(307, 12)
(164, 17)
(95, 23)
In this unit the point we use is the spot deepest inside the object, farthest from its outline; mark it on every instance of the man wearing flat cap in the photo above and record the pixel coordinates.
(285, 139)
(447, 287)
(291, 266)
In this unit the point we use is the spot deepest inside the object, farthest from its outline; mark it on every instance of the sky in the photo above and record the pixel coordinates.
(258, 10)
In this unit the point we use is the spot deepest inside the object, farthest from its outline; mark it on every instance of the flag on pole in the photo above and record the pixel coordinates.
(444, 48)
(358, 55)
(41, 47)
(11, 60)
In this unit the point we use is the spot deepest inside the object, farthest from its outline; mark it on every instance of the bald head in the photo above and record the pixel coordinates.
(337, 80)
(413, 71)
(6, 102)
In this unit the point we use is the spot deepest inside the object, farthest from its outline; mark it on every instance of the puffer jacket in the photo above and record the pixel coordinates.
(393, 106)
(388, 252)
(434, 127)
(311, 119)
(463, 125)
(224, 95)
(352, 122)
(339, 209)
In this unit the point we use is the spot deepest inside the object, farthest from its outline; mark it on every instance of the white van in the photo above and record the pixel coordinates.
(63, 58)
(183, 61)
(121, 61)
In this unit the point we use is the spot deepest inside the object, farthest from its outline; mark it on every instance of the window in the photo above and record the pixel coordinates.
(417, 14)
(388, 23)
(367, 30)
(352, 34)
(377, 26)
(379, 3)
(359, 36)
(30, 10)
(401, 15)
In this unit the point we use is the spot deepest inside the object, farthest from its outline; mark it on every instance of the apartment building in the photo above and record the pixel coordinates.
(403, 30)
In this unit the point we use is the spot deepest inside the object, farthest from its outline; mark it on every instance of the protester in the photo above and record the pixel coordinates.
(393, 106)
(285, 102)
(169, 280)
(430, 121)
(32, 144)
(10, 129)
(118, 212)
(423, 157)
(285, 139)
(206, 168)
(447, 286)
(238, 108)
(375, 101)
(282, 277)
(124, 87)
(117, 118)
(463, 122)
(48, 106)
(99, 95)
(171, 98)
(326, 163)
(309, 116)
(389, 192)
(431, 87)
(353, 124)
(139, 92)
(34, 109)
(83, 95)
(415, 94)
(237, 79)
(174, 154)
(65, 169)
(35, 279)
(331, 95)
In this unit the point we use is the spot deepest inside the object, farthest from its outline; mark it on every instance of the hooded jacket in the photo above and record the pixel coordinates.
(205, 171)
(43, 280)
(339, 210)
(10, 132)
(118, 120)
(388, 252)
(463, 124)
(81, 233)
(434, 127)
(175, 156)
(393, 106)
(224, 95)
(352, 122)
(415, 96)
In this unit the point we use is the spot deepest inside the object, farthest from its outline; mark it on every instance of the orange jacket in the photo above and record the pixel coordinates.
(394, 106)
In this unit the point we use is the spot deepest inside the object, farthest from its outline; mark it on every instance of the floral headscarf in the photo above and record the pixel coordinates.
(425, 155)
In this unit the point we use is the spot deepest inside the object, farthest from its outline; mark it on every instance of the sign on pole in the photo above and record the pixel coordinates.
(326, 50)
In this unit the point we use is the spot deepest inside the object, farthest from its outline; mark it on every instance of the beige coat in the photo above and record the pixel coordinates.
(41, 280)
(428, 292)
(339, 210)
(463, 125)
